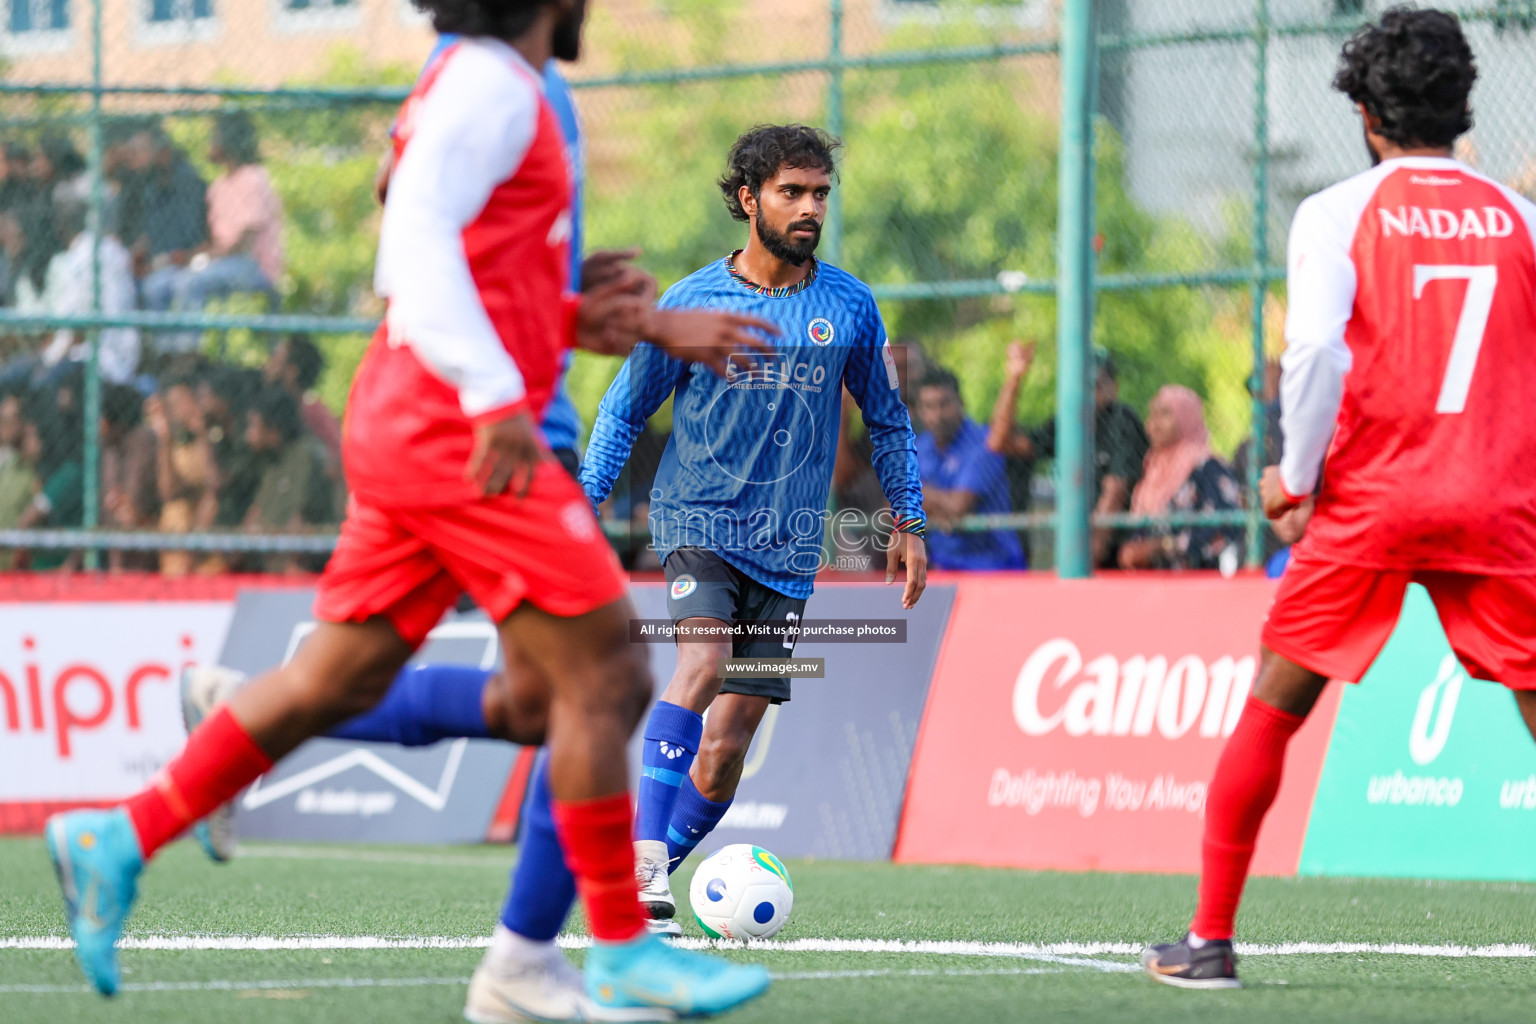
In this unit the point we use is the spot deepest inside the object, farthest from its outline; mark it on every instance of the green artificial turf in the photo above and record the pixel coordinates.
(417, 892)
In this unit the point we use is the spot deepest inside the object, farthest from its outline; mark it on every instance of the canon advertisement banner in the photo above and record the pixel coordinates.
(826, 773)
(1431, 773)
(1075, 725)
(89, 700)
(368, 792)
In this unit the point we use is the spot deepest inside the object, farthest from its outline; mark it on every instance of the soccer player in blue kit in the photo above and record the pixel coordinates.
(740, 498)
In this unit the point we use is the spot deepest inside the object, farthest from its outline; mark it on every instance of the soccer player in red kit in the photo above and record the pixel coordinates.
(452, 490)
(1409, 441)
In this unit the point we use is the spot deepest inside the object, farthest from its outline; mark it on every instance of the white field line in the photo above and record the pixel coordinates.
(300, 984)
(235, 986)
(1051, 952)
(374, 857)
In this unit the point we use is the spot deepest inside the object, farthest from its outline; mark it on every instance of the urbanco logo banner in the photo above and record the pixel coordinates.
(1431, 773)
(1075, 724)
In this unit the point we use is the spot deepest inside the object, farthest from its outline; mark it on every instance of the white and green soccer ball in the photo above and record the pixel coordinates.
(741, 892)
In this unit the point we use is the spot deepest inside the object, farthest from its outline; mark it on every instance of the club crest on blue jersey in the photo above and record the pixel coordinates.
(821, 331)
(683, 586)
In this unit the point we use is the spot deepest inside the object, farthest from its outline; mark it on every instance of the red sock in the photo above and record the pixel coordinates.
(1242, 790)
(219, 760)
(597, 836)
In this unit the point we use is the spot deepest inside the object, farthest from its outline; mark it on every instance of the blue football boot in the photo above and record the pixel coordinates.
(96, 856)
(649, 972)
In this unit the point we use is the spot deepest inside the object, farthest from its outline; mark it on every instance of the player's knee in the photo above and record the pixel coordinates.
(697, 678)
(328, 694)
(518, 717)
(630, 672)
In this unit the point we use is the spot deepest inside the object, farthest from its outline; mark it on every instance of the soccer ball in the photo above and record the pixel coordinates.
(741, 892)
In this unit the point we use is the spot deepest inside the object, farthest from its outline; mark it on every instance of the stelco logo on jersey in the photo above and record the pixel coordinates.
(776, 370)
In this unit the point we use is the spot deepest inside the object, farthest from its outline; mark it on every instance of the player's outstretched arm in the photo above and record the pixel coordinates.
(710, 336)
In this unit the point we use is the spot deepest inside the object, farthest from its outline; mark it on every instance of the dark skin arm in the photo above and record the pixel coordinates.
(1002, 436)
(1288, 518)
(911, 550)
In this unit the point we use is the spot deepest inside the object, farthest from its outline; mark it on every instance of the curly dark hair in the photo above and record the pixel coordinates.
(501, 19)
(1412, 70)
(279, 411)
(306, 359)
(766, 149)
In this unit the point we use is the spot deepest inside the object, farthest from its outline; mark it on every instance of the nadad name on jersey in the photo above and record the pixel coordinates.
(1433, 222)
(1111, 697)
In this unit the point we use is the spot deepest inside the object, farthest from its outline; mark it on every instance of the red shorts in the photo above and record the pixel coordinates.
(410, 565)
(1334, 619)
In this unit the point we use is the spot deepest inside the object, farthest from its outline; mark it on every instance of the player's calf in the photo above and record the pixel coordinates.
(733, 722)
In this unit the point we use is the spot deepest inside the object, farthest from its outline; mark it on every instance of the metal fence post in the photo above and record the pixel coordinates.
(1259, 289)
(1074, 294)
(97, 225)
(832, 232)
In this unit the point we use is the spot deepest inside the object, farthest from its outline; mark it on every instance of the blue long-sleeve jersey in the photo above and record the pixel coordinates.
(748, 468)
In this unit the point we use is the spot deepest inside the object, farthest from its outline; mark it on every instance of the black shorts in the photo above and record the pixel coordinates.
(701, 584)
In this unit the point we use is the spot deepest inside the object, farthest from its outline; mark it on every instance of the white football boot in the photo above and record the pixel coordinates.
(203, 688)
(519, 980)
(651, 863)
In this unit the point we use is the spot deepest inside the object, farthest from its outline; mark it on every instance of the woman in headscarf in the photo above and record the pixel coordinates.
(1181, 475)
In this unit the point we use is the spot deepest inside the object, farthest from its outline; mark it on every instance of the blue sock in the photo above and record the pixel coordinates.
(693, 818)
(425, 703)
(671, 739)
(543, 887)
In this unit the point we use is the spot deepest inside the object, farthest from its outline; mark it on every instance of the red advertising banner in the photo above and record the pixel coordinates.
(1074, 725)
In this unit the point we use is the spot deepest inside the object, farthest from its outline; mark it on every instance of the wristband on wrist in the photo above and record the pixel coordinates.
(912, 524)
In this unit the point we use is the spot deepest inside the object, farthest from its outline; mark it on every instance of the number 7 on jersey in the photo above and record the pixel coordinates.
(1470, 326)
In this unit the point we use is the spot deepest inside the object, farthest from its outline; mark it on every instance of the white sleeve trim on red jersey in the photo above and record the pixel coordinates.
(1522, 205)
(1321, 283)
(470, 133)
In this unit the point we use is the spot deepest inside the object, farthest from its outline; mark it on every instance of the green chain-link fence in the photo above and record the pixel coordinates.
(1203, 123)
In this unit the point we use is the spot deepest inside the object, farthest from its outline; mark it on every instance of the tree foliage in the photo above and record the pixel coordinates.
(949, 174)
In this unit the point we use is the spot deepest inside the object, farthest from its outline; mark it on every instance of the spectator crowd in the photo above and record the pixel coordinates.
(168, 241)
(1148, 471)
(193, 445)
(202, 446)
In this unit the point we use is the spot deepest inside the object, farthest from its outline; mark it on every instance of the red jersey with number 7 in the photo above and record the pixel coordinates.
(1410, 370)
